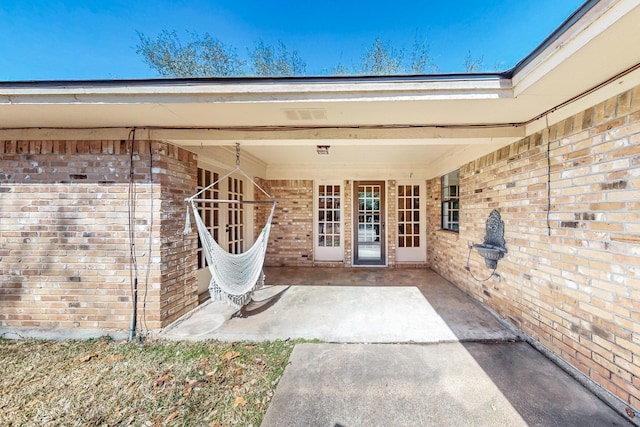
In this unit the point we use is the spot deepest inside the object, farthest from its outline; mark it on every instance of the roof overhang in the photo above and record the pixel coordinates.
(591, 57)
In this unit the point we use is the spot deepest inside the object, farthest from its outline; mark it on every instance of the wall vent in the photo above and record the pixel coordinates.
(306, 114)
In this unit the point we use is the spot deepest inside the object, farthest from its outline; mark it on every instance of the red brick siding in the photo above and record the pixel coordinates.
(65, 254)
(576, 288)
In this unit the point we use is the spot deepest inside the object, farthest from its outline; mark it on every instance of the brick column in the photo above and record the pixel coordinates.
(72, 217)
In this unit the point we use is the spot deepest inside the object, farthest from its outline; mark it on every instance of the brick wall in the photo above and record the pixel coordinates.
(291, 241)
(177, 172)
(570, 279)
(65, 258)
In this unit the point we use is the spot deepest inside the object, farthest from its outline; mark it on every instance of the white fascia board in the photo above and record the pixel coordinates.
(347, 135)
(490, 87)
(601, 17)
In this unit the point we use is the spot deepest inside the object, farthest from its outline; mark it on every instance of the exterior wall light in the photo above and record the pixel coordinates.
(322, 150)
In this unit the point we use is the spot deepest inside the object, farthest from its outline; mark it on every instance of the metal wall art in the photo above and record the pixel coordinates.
(493, 248)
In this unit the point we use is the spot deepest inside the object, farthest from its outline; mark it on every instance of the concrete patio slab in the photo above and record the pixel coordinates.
(401, 347)
(350, 306)
(430, 385)
(344, 314)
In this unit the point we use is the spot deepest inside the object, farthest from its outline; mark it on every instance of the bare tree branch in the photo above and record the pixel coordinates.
(202, 56)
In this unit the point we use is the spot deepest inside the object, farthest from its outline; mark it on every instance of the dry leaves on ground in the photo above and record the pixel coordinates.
(104, 382)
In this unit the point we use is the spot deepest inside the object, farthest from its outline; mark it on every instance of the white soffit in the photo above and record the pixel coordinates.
(234, 103)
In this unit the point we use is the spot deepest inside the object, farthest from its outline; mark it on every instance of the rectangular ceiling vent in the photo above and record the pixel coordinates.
(306, 114)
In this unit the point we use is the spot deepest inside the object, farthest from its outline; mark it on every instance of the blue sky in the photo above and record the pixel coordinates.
(96, 39)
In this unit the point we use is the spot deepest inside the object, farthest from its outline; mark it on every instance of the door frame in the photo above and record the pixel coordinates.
(415, 254)
(334, 253)
(356, 261)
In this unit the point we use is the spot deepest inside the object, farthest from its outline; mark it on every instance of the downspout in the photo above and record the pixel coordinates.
(133, 269)
(134, 315)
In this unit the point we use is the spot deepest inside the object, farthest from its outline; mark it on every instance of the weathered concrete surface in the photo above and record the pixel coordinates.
(345, 314)
(468, 370)
(386, 385)
(449, 384)
(358, 306)
(540, 391)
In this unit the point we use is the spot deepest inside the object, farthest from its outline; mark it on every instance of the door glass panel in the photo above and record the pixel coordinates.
(235, 220)
(408, 216)
(208, 210)
(369, 223)
(328, 216)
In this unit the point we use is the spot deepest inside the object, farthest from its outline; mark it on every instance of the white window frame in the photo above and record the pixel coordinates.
(450, 205)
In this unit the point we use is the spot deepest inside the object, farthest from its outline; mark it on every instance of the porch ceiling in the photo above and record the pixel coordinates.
(422, 120)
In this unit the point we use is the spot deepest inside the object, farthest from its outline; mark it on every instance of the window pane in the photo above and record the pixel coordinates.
(450, 203)
(328, 215)
(207, 210)
(408, 214)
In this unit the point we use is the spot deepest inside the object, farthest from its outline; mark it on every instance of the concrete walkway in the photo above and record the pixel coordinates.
(438, 358)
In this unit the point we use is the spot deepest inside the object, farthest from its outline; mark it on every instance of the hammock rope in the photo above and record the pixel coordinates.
(234, 277)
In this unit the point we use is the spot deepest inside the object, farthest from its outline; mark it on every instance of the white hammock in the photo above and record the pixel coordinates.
(233, 276)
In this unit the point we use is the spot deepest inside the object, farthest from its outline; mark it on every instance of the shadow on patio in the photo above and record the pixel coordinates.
(400, 347)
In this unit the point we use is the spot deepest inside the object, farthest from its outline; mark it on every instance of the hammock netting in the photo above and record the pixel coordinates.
(233, 276)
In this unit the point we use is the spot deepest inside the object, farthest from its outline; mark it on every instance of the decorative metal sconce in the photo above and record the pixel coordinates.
(493, 248)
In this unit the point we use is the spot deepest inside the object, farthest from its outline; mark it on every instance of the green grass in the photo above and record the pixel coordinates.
(105, 382)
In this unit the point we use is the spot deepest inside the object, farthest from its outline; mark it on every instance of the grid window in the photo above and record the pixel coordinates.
(451, 201)
(235, 216)
(209, 211)
(369, 213)
(329, 215)
(408, 216)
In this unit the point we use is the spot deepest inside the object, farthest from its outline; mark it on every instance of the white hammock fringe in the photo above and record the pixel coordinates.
(235, 301)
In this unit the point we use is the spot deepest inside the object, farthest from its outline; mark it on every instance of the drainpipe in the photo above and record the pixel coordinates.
(134, 315)
(134, 267)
